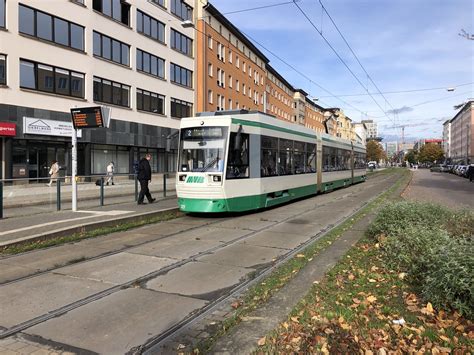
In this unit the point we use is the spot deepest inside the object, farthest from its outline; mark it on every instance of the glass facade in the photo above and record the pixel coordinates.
(111, 92)
(50, 28)
(150, 64)
(150, 27)
(181, 76)
(46, 78)
(111, 49)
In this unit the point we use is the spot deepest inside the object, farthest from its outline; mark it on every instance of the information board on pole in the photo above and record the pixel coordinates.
(87, 117)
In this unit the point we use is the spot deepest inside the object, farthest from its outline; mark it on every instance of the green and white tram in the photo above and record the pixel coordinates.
(232, 161)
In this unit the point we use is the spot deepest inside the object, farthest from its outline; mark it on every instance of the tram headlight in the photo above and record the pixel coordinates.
(182, 178)
(216, 178)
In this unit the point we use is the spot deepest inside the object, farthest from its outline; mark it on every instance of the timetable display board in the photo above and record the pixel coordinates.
(87, 117)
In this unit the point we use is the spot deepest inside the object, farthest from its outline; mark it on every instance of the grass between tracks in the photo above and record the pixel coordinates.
(122, 227)
(260, 293)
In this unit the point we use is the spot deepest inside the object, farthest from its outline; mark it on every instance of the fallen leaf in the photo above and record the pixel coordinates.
(445, 338)
(261, 341)
(371, 299)
(295, 319)
(300, 255)
(402, 275)
(372, 280)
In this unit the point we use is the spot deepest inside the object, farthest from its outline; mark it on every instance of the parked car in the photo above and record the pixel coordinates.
(435, 168)
(372, 164)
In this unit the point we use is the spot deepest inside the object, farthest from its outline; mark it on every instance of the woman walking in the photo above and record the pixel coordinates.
(53, 172)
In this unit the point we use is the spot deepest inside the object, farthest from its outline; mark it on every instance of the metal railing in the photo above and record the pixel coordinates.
(26, 196)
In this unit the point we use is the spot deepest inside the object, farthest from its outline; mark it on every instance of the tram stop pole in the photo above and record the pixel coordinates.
(74, 169)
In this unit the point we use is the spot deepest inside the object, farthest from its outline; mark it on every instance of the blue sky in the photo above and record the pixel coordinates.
(402, 44)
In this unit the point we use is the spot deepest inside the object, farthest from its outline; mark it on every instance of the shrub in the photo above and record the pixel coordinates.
(449, 280)
(460, 224)
(401, 215)
(435, 246)
(413, 250)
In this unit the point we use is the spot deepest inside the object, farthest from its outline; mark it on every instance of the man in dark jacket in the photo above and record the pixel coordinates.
(144, 177)
(470, 172)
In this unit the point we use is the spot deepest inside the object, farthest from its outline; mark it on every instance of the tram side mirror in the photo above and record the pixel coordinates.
(184, 167)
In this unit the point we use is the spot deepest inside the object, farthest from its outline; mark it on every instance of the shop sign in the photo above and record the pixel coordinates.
(7, 129)
(44, 127)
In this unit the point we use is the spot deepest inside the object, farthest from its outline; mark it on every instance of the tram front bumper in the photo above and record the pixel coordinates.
(202, 205)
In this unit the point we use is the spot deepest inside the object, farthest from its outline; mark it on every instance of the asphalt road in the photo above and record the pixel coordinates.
(443, 188)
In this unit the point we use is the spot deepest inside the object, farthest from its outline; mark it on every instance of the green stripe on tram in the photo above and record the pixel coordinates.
(246, 203)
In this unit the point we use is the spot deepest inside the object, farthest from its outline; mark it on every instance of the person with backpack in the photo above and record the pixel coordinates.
(144, 177)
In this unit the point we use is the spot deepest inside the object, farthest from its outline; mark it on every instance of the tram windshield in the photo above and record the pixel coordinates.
(202, 149)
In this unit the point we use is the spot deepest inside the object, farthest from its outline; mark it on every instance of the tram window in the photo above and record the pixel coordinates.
(285, 157)
(310, 158)
(238, 158)
(299, 158)
(269, 153)
(329, 159)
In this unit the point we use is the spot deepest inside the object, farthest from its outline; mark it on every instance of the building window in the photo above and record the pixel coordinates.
(209, 42)
(159, 3)
(150, 102)
(3, 69)
(181, 43)
(210, 96)
(50, 79)
(50, 28)
(2, 13)
(210, 69)
(181, 9)
(180, 108)
(119, 10)
(150, 27)
(111, 92)
(111, 49)
(221, 52)
(150, 64)
(180, 75)
(237, 85)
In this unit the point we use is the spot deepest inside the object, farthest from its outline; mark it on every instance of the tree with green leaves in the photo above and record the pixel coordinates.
(412, 156)
(431, 153)
(375, 151)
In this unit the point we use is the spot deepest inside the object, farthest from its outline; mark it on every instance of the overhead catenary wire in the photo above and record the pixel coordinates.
(404, 91)
(338, 56)
(353, 53)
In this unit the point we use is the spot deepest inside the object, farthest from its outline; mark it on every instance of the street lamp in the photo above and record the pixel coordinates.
(187, 24)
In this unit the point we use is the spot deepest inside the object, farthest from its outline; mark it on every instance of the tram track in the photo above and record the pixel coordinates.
(213, 304)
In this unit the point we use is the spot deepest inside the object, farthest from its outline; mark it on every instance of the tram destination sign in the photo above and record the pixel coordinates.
(87, 117)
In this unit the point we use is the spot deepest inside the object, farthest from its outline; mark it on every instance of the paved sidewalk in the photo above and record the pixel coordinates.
(17, 229)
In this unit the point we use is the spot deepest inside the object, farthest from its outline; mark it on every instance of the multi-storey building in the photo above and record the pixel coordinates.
(279, 95)
(360, 130)
(230, 69)
(447, 138)
(133, 56)
(462, 135)
(372, 132)
(344, 126)
(314, 116)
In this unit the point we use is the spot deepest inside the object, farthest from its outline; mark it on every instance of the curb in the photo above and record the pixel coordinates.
(83, 228)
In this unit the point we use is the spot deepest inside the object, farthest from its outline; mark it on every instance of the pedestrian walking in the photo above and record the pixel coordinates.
(470, 172)
(53, 172)
(110, 173)
(144, 177)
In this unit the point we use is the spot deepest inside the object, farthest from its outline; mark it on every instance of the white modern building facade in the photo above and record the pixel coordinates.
(360, 130)
(132, 56)
(372, 132)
